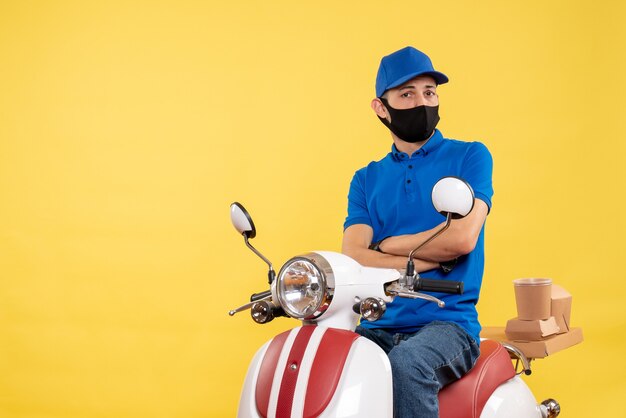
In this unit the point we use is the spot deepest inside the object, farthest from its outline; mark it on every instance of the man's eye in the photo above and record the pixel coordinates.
(407, 94)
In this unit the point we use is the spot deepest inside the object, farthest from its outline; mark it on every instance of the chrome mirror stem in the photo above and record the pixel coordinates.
(271, 274)
(410, 266)
(435, 235)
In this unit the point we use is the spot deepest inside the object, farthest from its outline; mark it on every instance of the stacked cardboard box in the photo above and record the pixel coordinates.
(539, 338)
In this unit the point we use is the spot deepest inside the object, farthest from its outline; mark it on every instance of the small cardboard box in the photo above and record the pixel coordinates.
(537, 349)
(517, 329)
(561, 307)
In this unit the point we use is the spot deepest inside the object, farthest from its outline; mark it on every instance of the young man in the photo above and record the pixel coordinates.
(390, 212)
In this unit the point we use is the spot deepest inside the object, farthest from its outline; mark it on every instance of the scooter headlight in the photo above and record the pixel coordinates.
(305, 286)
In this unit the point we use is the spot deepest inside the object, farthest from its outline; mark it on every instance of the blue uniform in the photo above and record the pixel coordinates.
(393, 196)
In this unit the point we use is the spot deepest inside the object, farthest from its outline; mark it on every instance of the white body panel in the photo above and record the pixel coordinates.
(364, 389)
(512, 399)
(247, 401)
(351, 281)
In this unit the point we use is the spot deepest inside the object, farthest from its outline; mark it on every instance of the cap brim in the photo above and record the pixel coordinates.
(440, 78)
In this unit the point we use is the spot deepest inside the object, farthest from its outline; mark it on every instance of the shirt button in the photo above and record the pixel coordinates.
(408, 181)
(410, 166)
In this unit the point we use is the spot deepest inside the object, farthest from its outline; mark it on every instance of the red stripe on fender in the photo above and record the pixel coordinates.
(266, 373)
(292, 369)
(327, 369)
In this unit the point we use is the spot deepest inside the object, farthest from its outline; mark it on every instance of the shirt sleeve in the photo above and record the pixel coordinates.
(477, 171)
(357, 203)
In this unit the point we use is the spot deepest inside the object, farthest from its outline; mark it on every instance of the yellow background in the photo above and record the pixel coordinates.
(127, 129)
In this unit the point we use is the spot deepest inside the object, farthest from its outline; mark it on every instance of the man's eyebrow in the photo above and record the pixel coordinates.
(411, 86)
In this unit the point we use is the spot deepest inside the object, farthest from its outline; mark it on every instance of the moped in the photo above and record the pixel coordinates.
(324, 369)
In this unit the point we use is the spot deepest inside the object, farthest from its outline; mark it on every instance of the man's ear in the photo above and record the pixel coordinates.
(379, 108)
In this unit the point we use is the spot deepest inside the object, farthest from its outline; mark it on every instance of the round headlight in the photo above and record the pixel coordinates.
(303, 287)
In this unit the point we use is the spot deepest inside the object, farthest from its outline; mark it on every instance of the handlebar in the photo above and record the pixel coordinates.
(443, 286)
(261, 295)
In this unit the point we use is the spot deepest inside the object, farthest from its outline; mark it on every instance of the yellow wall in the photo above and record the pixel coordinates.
(127, 128)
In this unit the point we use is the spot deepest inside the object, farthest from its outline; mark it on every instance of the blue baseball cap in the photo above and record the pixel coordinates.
(403, 65)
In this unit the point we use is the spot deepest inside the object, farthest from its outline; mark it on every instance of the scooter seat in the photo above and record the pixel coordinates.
(467, 397)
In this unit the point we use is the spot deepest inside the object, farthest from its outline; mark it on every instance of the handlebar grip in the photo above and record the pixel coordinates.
(260, 295)
(443, 286)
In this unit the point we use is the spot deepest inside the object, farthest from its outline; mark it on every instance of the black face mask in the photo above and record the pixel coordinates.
(412, 125)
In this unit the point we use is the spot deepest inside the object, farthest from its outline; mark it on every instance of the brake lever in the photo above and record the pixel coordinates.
(247, 306)
(396, 289)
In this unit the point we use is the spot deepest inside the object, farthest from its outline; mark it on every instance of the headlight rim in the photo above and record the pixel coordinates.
(328, 279)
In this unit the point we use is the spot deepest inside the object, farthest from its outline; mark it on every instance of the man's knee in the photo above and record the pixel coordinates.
(407, 364)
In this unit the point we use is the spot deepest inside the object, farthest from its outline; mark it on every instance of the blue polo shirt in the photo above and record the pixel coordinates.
(393, 196)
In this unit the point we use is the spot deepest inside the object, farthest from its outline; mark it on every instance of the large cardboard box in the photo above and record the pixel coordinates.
(561, 307)
(518, 329)
(537, 349)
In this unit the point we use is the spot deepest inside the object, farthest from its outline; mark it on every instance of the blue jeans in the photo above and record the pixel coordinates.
(424, 362)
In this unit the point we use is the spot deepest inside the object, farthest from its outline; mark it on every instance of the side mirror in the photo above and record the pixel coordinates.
(454, 196)
(241, 220)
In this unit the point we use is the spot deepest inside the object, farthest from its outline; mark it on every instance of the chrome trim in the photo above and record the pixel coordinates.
(520, 356)
(262, 312)
(377, 306)
(550, 408)
(328, 282)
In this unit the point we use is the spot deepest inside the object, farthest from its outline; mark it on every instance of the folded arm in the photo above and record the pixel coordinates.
(459, 239)
(356, 241)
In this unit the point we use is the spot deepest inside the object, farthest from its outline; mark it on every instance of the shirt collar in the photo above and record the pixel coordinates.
(429, 146)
